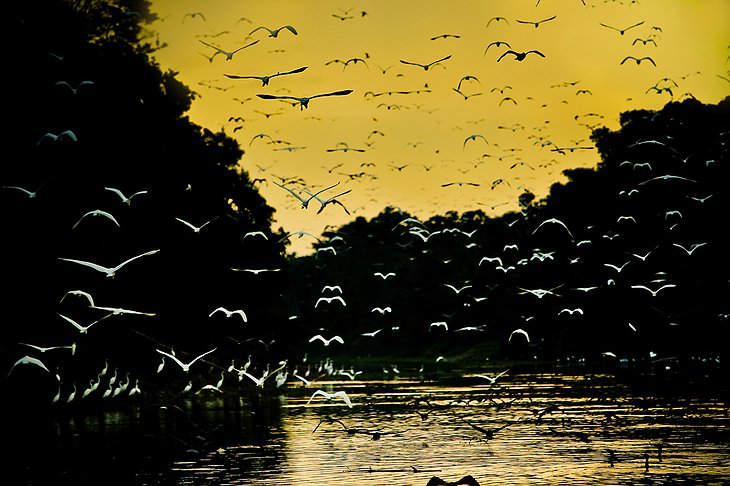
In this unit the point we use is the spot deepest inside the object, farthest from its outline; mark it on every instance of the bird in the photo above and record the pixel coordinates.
(196, 229)
(461, 183)
(465, 481)
(109, 271)
(474, 137)
(537, 23)
(185, 366)
(126, 200)
(330, 299)
(384, 276)
(644, 41)
(497, 19)
(520, 56)
(80, 293)
(193, 15)
(56, 137)
(519, 331)
(325, 341)
(618, 268)
(381, 310)
(275, 32)
(555, 221)
(331, 200)
(44, 349)
(228, 54)
(304, 100)
(230, 313)
(639, 59)
(653, 292)
(497, 44)
(78, 86)
(622, 31)
(426, 67)
(458, 290)
(84, 329)
(330, 396)
(691, 249)
(577, 310)
(161, 366)
(492, 379)
(29, 360)
(265, 79)
(97, 212)
(27, 192)
(443, 324)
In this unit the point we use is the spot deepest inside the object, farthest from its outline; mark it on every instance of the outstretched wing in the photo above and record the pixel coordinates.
(333, 93)
(88, 264)
(152, 252)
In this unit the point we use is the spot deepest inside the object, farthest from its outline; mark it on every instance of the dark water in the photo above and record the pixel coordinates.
(555, 429)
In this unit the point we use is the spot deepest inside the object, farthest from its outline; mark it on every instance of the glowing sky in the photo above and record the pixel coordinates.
(579, 84)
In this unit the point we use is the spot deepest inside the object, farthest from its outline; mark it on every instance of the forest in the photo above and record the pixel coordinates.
(623, 265)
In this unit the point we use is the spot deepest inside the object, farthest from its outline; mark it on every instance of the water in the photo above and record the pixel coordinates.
(557, 429)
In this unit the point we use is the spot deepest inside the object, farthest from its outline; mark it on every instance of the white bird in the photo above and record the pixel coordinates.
(209, 387)
(229, 313)
(458, 291)
(80, 293)
(196, 229)
(384, 276)
(327, 341)
(382, 310)
(332, 288)
(653, 292)
(330, 396)
(256, 271)
(161, 366)
(519, 331)
(251, 234)
(126, 200)
(72, 395)
(185, 366)
(118, 311)
(330, 299)
(691, 248)
(492, 379)
(491, 259)
(302, 379)
(43, 349)
(228, 54)
(577, 310)
(618, 268)
(66, 133)
(188, 387)
(350, 374)
(438, 324)
(554, 221)
(109, 271)
(29, 193)
(372, 333)
(83, 329)
(29, 360)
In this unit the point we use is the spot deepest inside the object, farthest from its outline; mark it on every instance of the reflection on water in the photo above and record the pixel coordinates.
(524, 429)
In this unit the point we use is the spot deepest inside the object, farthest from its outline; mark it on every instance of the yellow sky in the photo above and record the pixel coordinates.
(426, 131)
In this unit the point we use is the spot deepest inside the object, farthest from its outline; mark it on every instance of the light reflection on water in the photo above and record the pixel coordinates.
(559, 430)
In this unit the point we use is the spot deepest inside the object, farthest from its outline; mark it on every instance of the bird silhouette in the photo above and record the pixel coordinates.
(638, 59)
(304, 101)
(536, 23)
(265, 79)
(228, 54)
(275, 32)
(622, 31)
(520, 56)
(426, 67)
(465, 481)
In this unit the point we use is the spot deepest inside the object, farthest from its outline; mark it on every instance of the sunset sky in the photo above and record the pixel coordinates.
(495, 140)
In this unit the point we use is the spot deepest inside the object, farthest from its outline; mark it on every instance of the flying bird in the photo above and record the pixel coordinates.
(265, 79)
(325, 341)
(639, 59)
(185, 366)
(384, 276)
(426, 66)
(497, 44)
(653, 292)
(330, 299)
(330, 396)
(109, 271)
(275, 32)
(56, 137)
(519, 331)
(196, 229)
(303, 101)
(228, 54)
(622, 31)
(497, 19)
(126, 200)
(84, 329)
(537, 23)
(230, 313)
(553, 221)
(465, 481)
(29, 360)
(78, 86)
(520, 56)
(97, 212)
(474, 137)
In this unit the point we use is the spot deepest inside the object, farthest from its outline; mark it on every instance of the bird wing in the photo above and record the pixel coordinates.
(75, 324)
(293, 71)
(204, 354)
(88, 264)
(151, 252)
(290, 29)
(536, 52)
(172, 357)
(635, 25)
(505, 53)
(614, 28)
(344, 396)
(243, 47)
(438, 61)
(333, 93)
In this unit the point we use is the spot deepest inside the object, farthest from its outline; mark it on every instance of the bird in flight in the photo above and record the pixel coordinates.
(332, 200)
(275, 32)
(555, 221)
(29, 360)
(304, 101)
(474, 137)
(537, 23)
(126, 200)
(497, 44)
(497, 19)
(66, 133)
(326, 342)
(265, 79)
(228, 54)
(330, 299)
(78, 86)
(84, 329)
(230, 313)
(185, 366)
(520, 56)
(622, 31)
(519, 331)
(426, 66)
(465, 481)
(109, 271)
(340, 394)
(97, 212)
(638, 59)
(196, 229)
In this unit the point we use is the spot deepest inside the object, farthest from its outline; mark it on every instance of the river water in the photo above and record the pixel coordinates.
(526, 428)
